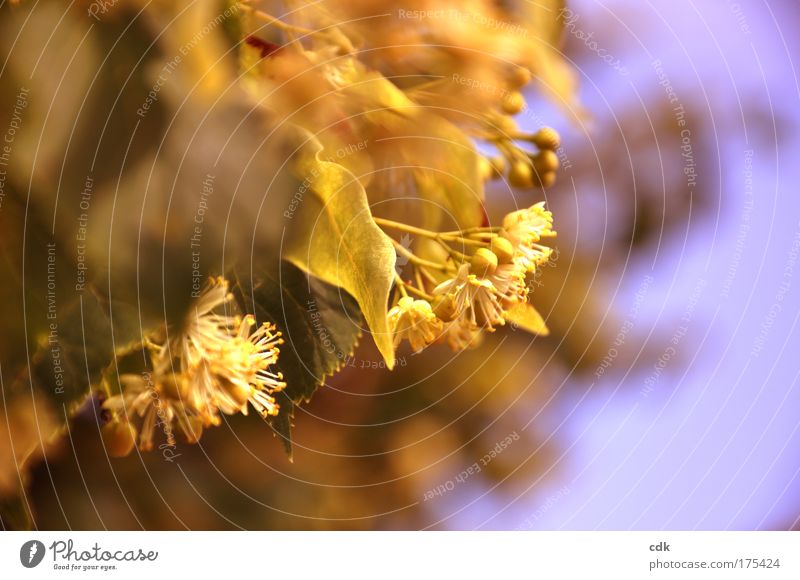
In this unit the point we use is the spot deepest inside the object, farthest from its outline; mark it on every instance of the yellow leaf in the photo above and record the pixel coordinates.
(334, 238)
(526, 317)
(434, 179)
(556, 76)
(438, 158)
(450, 175)
(379, 96)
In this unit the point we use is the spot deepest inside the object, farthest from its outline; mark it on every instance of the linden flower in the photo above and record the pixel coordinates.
(524, 229)
(156, 404)
(531, 224)
(461, 334)
(486, 309)
(454, 288)
(227, 365)
(476, 299)
(414, 320)
(509, 282)
(484, 288)
(215, 364)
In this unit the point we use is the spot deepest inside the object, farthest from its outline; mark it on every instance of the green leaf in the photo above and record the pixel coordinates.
(71, 360)
(320, 325)
(333, 237)
(526, 317)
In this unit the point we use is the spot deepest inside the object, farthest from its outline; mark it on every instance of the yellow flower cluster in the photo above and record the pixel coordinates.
(522, 168)
(400, 98)
(481, 288)
(217, 363)
(356, 71)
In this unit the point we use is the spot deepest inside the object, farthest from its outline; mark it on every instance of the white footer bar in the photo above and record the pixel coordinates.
(355, 555)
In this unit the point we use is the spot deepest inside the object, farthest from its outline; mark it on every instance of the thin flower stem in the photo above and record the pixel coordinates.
(414, 259)
(406, 288)
(454, 239)
(419, 293)
(509, 137)
(511, 151)
(454, 253)
(405, 227)
(484, 135)
(418, 278)
(451, 237)
(475, 230)
(401, 285)
(428, 276)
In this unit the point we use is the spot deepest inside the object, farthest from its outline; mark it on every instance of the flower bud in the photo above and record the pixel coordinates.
(519, 77)
(548, 179)
(483, 263)
(513, 103)
(503, 249)
(521, 174)
(546, 138)
(498, 163)
(119, 438)
(485, 168)
(545, 161)
(505, 125)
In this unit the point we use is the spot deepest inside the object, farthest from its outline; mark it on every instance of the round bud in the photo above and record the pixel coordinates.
(505, 125)
(174, 386)
(521, 174)
(485, 168)
(483, 263)
(519, 77)
(498, 163)
(237, 391)
(545, 161)
(503, 249)
(548, 179)
(546, 138)
(119, 438)
(444, 307)
(192, 429)
(513, 103)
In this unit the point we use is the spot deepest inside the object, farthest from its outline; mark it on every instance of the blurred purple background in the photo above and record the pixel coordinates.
(702, 431)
